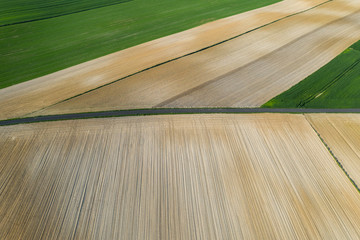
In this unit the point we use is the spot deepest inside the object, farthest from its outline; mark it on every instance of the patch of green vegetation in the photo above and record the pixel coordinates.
(335, 85)
(19, 11)
(34, 49)
(356, 46)
(342, 94)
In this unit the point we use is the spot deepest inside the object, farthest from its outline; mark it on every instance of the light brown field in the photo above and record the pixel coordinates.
(244, 72)
(33, 95)
(259, 176)
(341, 132)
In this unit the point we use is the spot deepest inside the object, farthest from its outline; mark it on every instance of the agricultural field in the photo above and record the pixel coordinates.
(21, 11)
(335, 85)
(37, 48)
(341, 132)
(196, 170)
(57, 87)
(257, 176)
(245, 72)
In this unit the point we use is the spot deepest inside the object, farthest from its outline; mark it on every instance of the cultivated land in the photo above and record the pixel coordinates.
(48, 90)
(341, 132)
(37, 48)
(244, 72)
(259, 176)
(202, 176)
(21, 11)
(336, 85)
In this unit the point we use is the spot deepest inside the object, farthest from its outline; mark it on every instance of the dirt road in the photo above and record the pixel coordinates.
(168, 111)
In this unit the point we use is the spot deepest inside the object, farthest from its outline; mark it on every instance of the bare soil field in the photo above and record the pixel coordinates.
(244, 72)
(341, 132)
(257, 176)
(36, 94)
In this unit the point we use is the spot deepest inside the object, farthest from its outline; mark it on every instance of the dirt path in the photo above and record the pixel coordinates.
(33, 95)
(167, 111)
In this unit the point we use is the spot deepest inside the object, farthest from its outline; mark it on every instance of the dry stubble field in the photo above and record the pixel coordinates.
(341, 132)
(250, 176)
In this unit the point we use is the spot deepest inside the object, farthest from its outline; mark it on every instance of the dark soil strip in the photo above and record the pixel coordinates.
(167, 111)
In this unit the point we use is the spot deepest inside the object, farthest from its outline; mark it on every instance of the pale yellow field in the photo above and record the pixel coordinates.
(244, 72)
(33, 95)
(341, 132)
(259, 176)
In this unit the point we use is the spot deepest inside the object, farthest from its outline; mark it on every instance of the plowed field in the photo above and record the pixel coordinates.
(259, 176)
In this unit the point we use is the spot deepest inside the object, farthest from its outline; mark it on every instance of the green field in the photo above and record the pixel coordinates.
(19, 11)
(336, 85)
(37, 48)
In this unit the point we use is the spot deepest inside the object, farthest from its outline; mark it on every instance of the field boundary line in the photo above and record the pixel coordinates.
(186, 55)
(333, 155)
(167, 111)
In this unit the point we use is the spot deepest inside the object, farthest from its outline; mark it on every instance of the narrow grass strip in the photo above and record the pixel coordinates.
(167, 111)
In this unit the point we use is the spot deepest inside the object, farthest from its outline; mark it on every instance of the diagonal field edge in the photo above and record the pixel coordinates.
(335, 158)
(167, 111)
(186, 55)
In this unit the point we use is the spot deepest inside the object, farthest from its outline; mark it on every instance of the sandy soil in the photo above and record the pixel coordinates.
(341, 132)
(244, 72)
(258, 176)
(33, 95)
